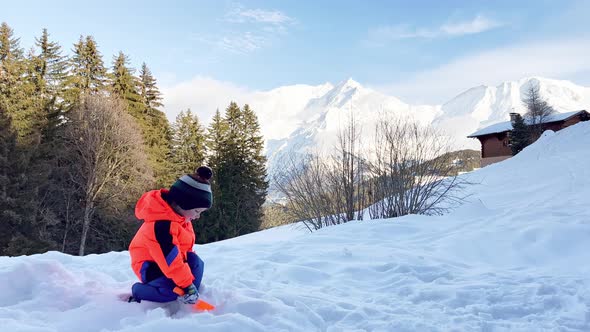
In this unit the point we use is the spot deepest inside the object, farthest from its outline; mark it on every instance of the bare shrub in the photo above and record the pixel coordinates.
(409, 176)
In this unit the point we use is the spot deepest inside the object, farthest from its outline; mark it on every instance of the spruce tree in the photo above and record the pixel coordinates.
(210, 227)
(159, 136)
(76, 80)
(216, 134)
(239, 181)
(230, 173)
(87, 71)
(124, 85)
(9, 214)
(150, 94)
(188, 143)
(21, 102)
(13, 89)
(520, 136)
(53, 66)
(51, 71)
(9, 45)
(154, 125)
(18, 90)
(255, 167)
(96, 70)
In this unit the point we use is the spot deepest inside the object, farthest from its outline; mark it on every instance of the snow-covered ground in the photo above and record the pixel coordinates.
(515, 258)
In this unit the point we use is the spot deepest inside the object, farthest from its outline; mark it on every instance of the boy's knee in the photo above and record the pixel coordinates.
(194, 260)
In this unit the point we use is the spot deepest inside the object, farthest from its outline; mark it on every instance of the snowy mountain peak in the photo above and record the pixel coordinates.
(321, 110)
(340, 95)
(349, 84)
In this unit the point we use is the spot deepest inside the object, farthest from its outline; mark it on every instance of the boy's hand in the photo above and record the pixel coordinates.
(191, 295)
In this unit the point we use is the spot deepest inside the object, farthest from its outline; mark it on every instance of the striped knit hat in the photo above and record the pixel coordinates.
(193, 191)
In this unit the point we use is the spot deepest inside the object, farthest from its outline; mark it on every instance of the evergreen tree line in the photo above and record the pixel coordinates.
(80, 142)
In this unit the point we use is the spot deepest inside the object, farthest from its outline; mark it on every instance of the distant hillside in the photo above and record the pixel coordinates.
(462, 160)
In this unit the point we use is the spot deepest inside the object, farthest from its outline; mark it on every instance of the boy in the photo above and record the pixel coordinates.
(161, 251)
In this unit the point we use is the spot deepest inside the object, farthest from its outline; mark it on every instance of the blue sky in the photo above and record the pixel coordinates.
(419, 51)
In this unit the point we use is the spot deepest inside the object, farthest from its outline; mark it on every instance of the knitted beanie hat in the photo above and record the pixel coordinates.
(193, 191)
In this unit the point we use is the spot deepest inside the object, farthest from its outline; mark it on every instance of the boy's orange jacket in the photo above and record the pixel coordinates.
(164, 239)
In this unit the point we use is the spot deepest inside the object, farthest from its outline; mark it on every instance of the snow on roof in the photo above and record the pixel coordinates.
(507, 125)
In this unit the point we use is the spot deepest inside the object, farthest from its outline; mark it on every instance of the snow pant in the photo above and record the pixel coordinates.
(161, 289)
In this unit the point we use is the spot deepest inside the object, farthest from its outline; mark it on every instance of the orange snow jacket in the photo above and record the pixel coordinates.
(161, 244)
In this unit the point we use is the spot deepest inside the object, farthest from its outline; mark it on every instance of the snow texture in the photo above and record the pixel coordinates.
(513, 258)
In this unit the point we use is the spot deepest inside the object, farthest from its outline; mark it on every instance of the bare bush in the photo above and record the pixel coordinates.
(309, 196)
(408, 174)
(409, 171)
(324, 191)
(538, 111)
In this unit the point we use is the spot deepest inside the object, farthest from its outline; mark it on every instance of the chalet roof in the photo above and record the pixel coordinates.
(507, 125)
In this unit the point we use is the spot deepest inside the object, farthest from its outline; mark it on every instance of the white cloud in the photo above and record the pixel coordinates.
(242, 43)
(203, 95)
(551, 58)
(249, 31)
(237, 42)
(452, 29)
(477, 25)
(241, 15)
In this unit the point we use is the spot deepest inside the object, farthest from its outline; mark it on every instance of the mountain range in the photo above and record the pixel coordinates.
(299, 119)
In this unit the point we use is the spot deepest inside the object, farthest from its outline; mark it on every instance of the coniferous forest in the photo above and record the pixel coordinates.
(82, 136)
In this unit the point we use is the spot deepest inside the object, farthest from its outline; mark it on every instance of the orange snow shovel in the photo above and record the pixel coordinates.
(200, 305)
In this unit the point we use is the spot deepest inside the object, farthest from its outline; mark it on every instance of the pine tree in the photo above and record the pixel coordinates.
(188, 143)
(12, 69)
(76, 81)
(21, 102)
(87, 72)
(255, 167)
(239, 182)
(216, 134)
(124, 85)
(211, 224)
(96, 70)
(519, 136)
(230, 173)
(9, 45)
(18, 89)
(51, 70)
(155, 127)
(53, 66)
(9, 213)
(150, 95)
(19, 197)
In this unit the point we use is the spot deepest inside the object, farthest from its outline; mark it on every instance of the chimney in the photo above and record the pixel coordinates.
(513, 117)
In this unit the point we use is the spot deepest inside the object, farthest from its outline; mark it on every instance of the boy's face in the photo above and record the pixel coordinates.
(193, 214)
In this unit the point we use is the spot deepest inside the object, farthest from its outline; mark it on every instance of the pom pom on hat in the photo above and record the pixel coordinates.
(193, 191)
